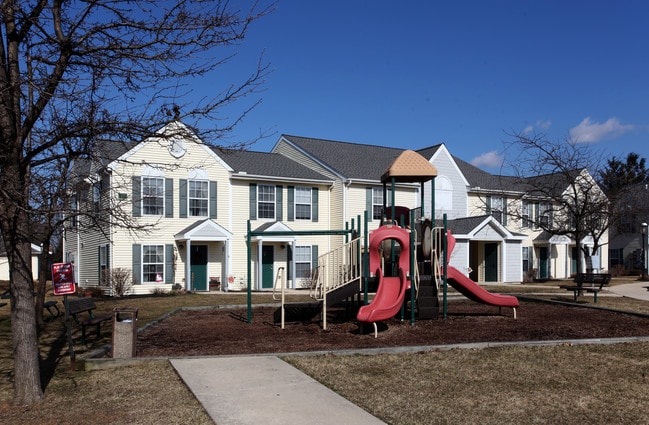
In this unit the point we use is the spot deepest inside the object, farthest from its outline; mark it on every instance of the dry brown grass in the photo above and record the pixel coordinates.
(149, 393)
(565, 384)
(548, 385)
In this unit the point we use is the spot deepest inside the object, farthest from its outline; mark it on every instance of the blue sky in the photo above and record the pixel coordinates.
(413, 74)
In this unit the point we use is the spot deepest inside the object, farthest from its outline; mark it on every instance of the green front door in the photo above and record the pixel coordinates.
(491, 262)
(267, 263)
(543, 263)
(199, 267)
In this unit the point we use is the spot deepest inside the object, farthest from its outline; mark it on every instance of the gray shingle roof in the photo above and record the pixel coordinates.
(267, 164)
(350, 160)
(478, 178)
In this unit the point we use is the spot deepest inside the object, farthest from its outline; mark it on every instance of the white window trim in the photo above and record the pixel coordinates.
(190, 198)
(260, 202)
(143, 264)
(296, 203)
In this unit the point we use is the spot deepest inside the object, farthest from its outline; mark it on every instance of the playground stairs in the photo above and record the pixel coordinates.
(344, 292)
(298, 312)
(427, 298)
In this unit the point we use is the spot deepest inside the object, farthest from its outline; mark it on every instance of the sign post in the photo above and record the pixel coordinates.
(63, 284)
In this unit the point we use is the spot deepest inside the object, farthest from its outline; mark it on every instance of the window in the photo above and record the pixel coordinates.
(377, 202)
(496, 207)
(303, 203)
(153, 263)
(103, 265)
(266, 202)
(526, 213)
(302, 259)
(616, 257)
(198, 198)
(153, 190)
(545, 215)
(74, 206)
(96, 196)
(527, 258)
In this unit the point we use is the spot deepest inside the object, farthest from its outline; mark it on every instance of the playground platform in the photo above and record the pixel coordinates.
(251, 390)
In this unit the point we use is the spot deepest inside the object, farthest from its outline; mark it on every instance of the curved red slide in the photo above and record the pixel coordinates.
(477, 293)
(392, 289)
(469, 288)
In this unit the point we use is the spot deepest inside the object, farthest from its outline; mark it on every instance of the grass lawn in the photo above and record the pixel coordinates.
(567, 384)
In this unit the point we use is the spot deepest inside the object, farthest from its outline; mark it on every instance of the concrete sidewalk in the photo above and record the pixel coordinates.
(636, 290)
(264, 390)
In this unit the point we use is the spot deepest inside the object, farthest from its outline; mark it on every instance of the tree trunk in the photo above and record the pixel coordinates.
(15, 228)
(41, 287)
(27, 381)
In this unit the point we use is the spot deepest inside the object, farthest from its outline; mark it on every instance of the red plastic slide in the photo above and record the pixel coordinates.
(469, 288)
(477, 293)
(391, 291)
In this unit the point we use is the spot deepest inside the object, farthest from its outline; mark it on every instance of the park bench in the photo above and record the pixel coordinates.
(51, 306)
(588, 282)
(78, 306)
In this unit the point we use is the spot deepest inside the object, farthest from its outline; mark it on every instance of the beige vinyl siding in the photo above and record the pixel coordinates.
(241, 213)
(164, 229)
(357, 201)
(289, 151)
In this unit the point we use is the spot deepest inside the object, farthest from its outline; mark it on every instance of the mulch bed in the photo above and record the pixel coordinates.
(226, 331)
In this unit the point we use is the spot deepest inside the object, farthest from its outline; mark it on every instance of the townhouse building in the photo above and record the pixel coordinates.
(174, 211)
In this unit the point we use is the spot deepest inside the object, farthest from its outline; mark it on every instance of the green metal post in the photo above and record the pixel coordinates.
(248, 246)
(412, 269)
(366, 260)
(445, 263)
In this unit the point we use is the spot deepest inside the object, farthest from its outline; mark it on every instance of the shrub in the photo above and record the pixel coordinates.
(530, 275)
(159, 292)
(90, 291)
(118, 280)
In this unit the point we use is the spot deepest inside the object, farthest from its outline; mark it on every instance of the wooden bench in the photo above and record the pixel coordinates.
(596, 280)
(78, 306)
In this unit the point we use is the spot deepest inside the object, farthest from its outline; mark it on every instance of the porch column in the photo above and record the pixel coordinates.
(226, 266)
(188, 269)
(294, 282)
(260, 244)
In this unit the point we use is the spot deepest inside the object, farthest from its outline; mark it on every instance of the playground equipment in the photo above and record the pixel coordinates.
(406, 254)
(392, 289)
(469, 288)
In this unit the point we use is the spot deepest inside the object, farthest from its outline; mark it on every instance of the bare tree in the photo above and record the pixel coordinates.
(74, 73)
(559, 175)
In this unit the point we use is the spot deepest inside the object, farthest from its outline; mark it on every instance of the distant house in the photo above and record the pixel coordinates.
(197, 202)
(4, 261)
(625, 247)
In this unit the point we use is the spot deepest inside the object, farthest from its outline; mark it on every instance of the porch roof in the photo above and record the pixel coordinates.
(204, 230)
(275, 226)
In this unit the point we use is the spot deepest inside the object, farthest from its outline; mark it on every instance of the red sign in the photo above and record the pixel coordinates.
(63, 278)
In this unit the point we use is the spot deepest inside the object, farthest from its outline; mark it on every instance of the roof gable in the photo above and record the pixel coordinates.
(348, 160)
(204, 230)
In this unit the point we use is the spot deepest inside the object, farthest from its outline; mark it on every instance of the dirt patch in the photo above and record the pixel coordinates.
(226, 331)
